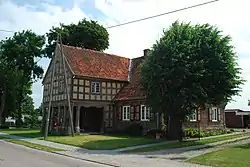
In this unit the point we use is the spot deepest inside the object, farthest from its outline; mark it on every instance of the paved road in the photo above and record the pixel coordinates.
(18, 156)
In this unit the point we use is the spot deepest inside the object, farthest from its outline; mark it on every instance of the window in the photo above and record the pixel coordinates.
(214, 114)
(61, 87)
(95, 87)
(193, 116)
(126, 113)
(145, 112)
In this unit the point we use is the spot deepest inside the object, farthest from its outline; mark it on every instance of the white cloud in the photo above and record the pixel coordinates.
(16, 18)
(130, 40)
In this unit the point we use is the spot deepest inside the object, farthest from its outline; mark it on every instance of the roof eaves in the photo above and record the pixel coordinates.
(87, 76)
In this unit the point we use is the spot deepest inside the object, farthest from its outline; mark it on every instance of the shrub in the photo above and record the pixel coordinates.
(153, 132)
(162, 131)
(195, 133)
(4, 126)
(31, 122)
(192, 133)
(134, 130)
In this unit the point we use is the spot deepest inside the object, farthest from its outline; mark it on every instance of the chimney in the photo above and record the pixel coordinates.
(130, 69)
(145, 52)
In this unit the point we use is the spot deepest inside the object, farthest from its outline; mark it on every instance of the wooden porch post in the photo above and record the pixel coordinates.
(51, 117)
(78, 108)
(59, 112)
(103, 119)
(157, 120)
(64, 117)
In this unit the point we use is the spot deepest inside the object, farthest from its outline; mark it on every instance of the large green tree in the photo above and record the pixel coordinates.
(9, 78)
(85, 34)
(190, 67)
(20, 53)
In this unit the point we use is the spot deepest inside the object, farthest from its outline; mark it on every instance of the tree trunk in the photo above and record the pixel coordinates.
(3, 99)
(175, 130)
(19, 121)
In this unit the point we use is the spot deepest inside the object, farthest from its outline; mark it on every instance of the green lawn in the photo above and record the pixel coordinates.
(101, 142)
(230, 157)
(92, 142)
(25, 132)
(187, 143)
(30, 145)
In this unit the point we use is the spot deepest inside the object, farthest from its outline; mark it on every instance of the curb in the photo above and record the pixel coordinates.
(84, 159)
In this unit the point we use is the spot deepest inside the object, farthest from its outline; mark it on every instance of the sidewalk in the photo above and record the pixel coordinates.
(166, 142)
(197, 147)
(41, 142)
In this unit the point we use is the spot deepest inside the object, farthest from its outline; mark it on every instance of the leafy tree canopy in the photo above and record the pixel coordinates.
(190, 66)
(18, 54)
(85, 34)
(20, 51)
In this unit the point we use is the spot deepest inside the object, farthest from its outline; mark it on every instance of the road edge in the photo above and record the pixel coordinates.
(61, 154)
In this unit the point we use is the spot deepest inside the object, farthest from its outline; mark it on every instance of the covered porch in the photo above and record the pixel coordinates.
(87, 117)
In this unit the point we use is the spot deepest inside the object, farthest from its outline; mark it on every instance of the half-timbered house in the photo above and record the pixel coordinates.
(104, 93)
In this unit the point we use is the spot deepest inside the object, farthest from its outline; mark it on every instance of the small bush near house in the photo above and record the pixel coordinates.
(4, 126)
(134, 130)
(195, 133)
(153, 132)
(162, 131)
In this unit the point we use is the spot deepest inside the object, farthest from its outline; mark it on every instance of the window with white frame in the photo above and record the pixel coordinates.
(145, 113)
(214, 114)
(126, 113)
(95, 87)
(193, 116)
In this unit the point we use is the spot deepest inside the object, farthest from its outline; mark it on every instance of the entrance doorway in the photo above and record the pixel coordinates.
(91, 119)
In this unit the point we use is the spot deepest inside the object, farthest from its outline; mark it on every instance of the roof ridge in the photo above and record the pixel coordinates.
(91, 50)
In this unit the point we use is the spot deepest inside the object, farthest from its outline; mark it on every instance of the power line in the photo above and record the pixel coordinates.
(162, 14)
(150, 17)
(6, 30)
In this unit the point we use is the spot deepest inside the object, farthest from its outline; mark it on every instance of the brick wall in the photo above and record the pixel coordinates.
(233, 120)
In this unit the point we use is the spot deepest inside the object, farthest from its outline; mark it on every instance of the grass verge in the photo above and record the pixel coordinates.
(187, 143)
(101, 142)
(91, 142)
(30, 145)
(237, 156)
(24, 132)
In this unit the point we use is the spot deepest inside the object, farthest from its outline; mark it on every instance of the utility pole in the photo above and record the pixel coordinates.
(67, 87)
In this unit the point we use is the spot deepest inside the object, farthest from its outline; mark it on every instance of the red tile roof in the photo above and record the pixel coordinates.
(86, 62)
(132, 90)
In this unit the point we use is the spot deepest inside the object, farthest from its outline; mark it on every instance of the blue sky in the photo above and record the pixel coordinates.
(130, 40)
